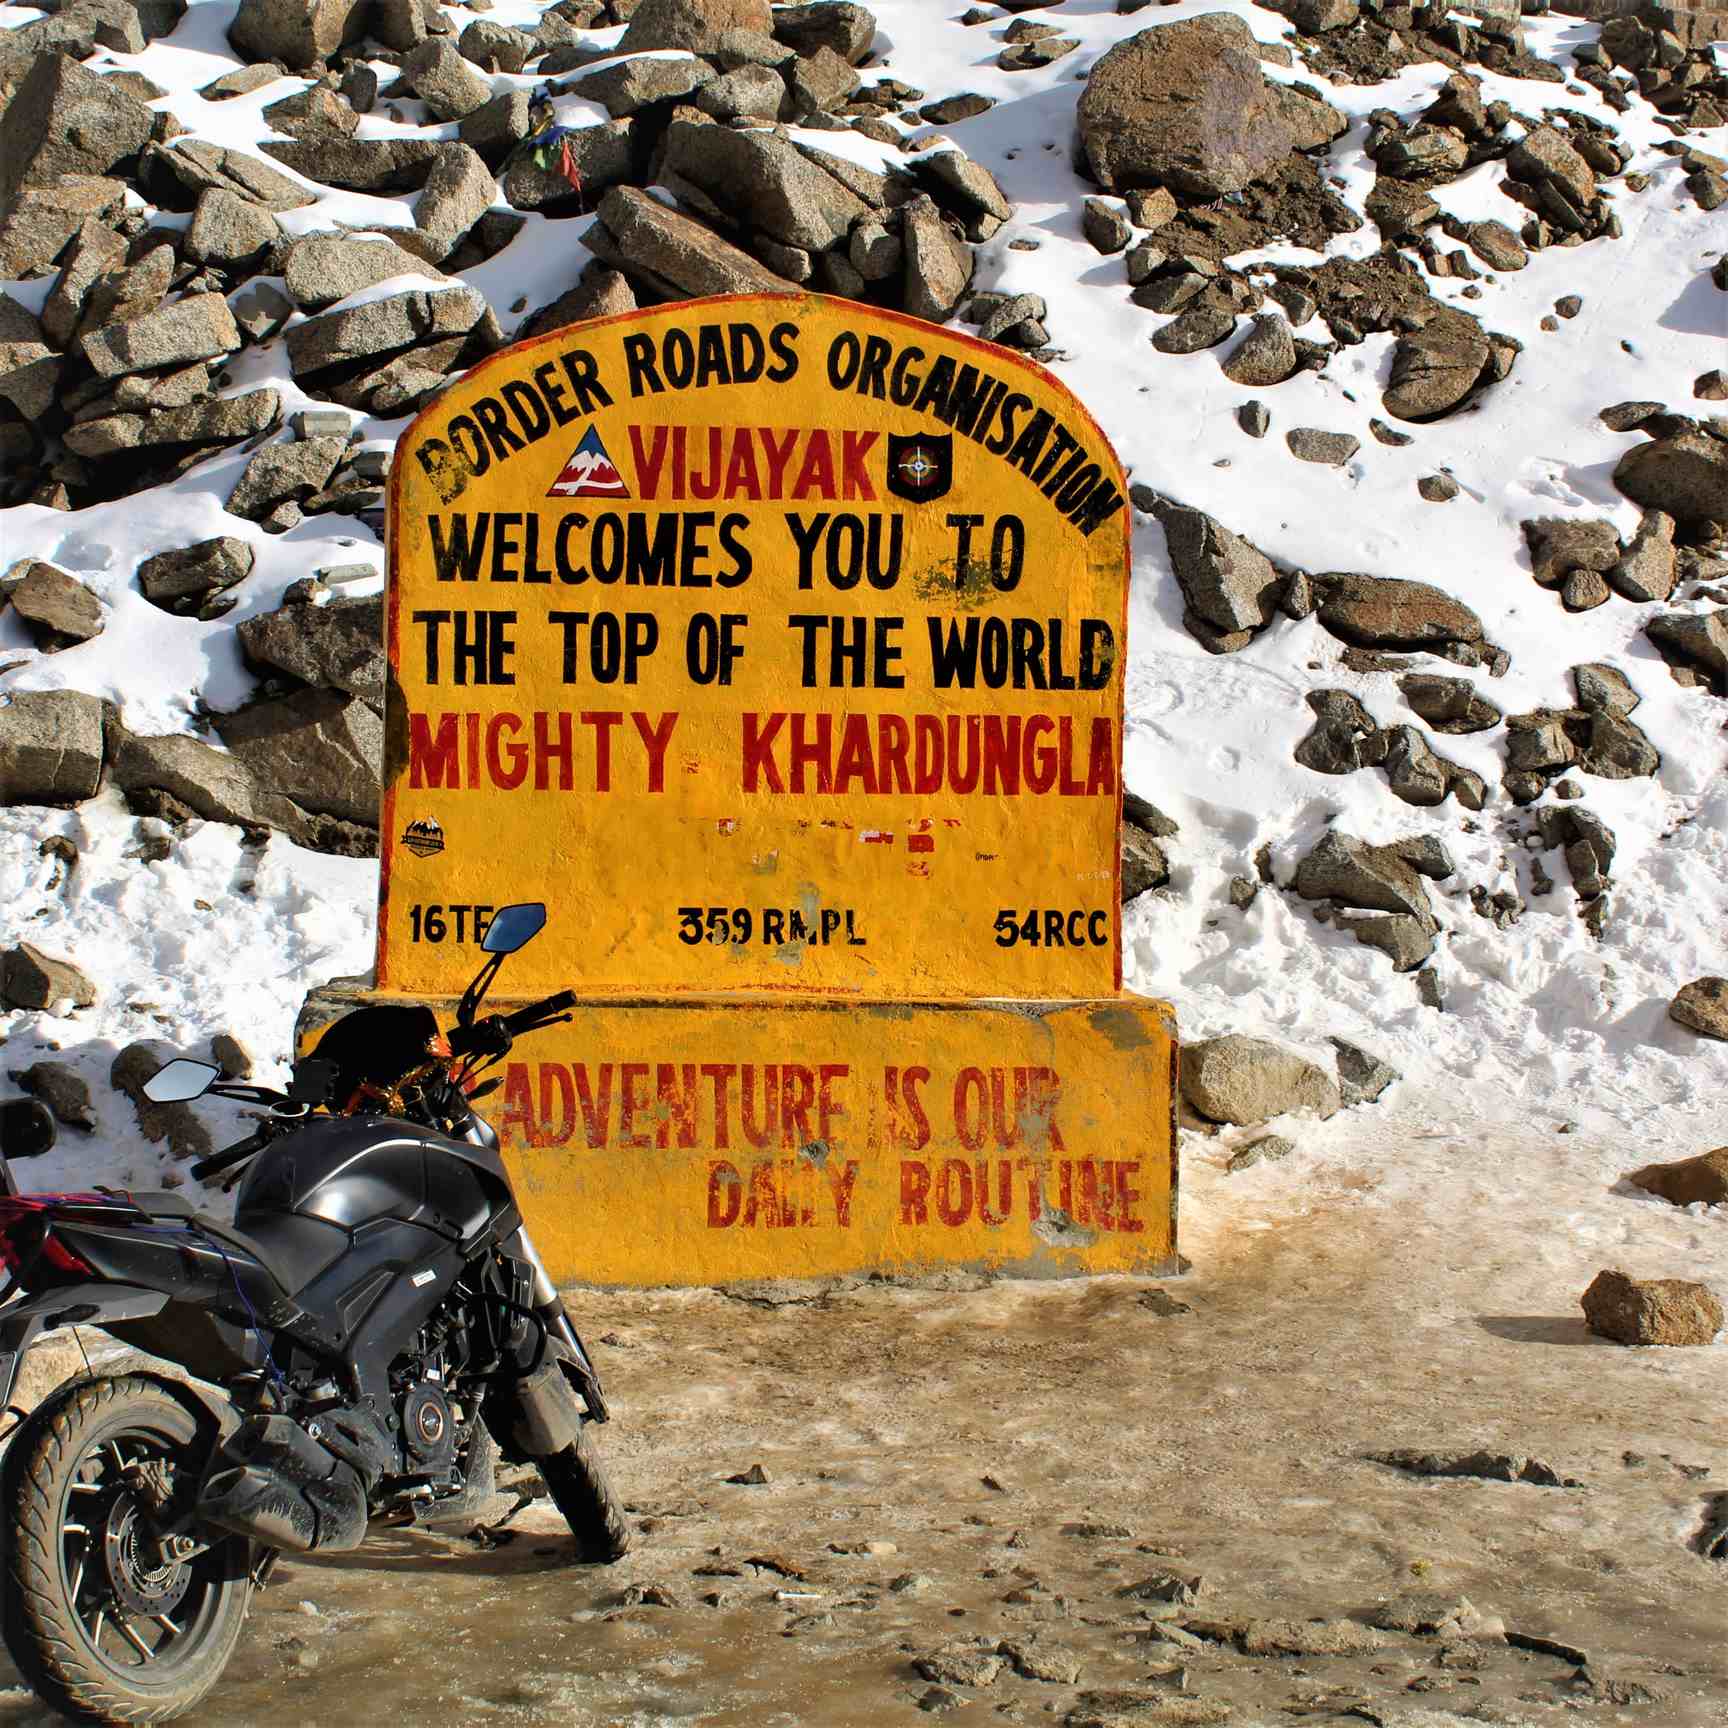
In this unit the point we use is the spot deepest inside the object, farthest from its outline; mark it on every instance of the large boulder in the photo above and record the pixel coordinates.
(1435, 368)
(1185, 105)
(230, 231)
(1685, 476)
(625, 87)
(1702, 1007)
(936, 267)
(1670, 1311)
(1700, 1181)
(41, 220)
(444, 81)
(322, 749)
(458, 192)
(1695, 645)
(1388, 612)
(204, 780)
(379, 327)
(1249, 1080)
(50, 747)
(209, 422)
(680, 258)
(602, 156)
(697, 25)
(1229, 585)
(288, 471)
(297, 34)
(186, 578)
(63, 119)
(1384, 882)
(325, 268)
(359, 164)
(837, 25)
(199, 327)
(339, 646)
(176, 176)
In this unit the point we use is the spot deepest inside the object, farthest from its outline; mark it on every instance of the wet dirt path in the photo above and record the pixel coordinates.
(974, 1429)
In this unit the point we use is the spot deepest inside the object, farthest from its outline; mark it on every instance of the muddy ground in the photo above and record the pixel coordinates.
(952, 1470)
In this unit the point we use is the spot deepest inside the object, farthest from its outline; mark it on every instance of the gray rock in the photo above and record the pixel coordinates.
(636, 233)
(1628, 416)
(1448, 704)
(837, 25)
(496, 47)
(938, 264)
(380, 327)
(1204, 325)
(230, 231)
(296, 33)
(496, 128)
(1495, 244)
(1268, 1149)
(63, 1090)
(1702, 1006)
(37, 225)
(314, 111)
(960, 1665)
(599, 293)
(50, 747)
(444, 81)
(1245, 1080)
(29, 368)
(1565, 187)
(1415, 773)
(1265, 356)
(965, 189)
(1675, 1312)
(184, 579)
(284, 471)
(320, 748)
(1561, 545)
(1604, 688)
(753, 92)
(603, 156)
(1345, 736)
(457, 193)
(63, 119)
(1648, 570)
(325, 268)
(210, 422)
(175, 1124)
(819, 83)
(1438, 488)
(1695, 645)
(359, 164)
(1254, 419)
(339, 646)
(198, 327)
(404, 24)
(699, 25)
(1617, 749)
(57, 609)
(1330, 449)
(1405, 940)
(1686, 477)
(1484, 1466)
(31, 979)
(1144, 864)
(1373, 878)
(874, 252)
(1361, 1077)
(1428, 990)
(764, 181)
(1105, 227)
(1185, 106)
(176, 176)
(1225, 581)
(1386, 612)
(625, 87)
(1435, 368)
(1583, 591)
(210, 783)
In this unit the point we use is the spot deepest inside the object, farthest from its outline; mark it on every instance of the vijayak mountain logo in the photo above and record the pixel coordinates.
(590, 472)
(424, 837)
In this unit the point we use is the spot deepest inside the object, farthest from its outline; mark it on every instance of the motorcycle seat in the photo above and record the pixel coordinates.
(291, 1248)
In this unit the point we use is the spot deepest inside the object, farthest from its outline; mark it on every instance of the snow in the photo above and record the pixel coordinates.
(1544, 1026)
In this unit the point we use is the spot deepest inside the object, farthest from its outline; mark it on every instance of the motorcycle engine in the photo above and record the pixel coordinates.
(428, 1427)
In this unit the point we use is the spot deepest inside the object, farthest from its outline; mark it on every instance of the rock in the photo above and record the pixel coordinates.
(754, 1477)
(1489, 1466)
(57, 610)
(1616, 749)
(1265, 356)
(313, 111)
(1249, 1080)
(495, 129)
(765, 181)
(176, 1124)
(1361, 1077)
(1436, 367)
(62, 1090)
(29, 368)
(1268, 1149)
(1438, 488)
(960, 1665)
(1144, 1709)
(319, 748)
(637, 233)
(1386, 612)
(939, 1700)
(176, 178)
(1105, 227)
(31, 979)
(1700, 1181)
(1448, 704)
(819, 83)
(1254, 419)
(1428, 1614)
(844, 29)
(1669, 1311)
(337, 646)
(1331, 449)
(185, 579)
(1495, 244)
(603, 156)
(325, 268)
(1628, 416)
(380, 327)
(403, 25)
(599, 293)
(1583, 591)
(1648, 570)
(1185, 106)
(1306, 1638)
(1565, 187)
(625, 87)
(1560, 545)
(1684, 476)
(952, 109)
(1225, 581)
(1345, 736)
(50, 747)
(1695, 645)
(297, 34)
(1702, 1006)
(231, 1056)
(198, 327)
(208, 782)
(213, 420)
(1374, 878)
(1398, 209)
(1711, 386)
(938, 264)
(1603, 688)
(753, 91)
(39, 221)
(63, 119)
(444, 81)
(1203, 325)
(1037, 1661)
(230, 231)
(458, 192)
(497, 47)
(359, 164)
(1144, 865)
(1384, 434)
(699, 25)
(283, 471)
(1164, 1585)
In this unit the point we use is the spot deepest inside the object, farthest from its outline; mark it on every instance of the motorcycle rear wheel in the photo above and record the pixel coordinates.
(99, 1623)
(581, 1492)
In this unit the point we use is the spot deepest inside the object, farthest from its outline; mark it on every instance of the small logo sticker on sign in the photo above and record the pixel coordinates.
(420, 1278)
(589, 473)
(424, 837)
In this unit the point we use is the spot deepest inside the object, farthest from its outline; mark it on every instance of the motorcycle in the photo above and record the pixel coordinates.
(365, 1339)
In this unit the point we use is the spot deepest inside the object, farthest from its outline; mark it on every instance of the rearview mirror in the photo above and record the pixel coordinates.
(26, 1128)
(514, 927)
(180, 1080)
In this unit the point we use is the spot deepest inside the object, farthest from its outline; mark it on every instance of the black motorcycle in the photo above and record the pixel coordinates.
(365, 1338)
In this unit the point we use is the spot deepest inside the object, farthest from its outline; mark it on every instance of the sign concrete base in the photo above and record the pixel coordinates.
(708, 1139)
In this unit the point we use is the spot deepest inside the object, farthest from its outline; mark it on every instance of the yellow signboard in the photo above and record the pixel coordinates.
(701, 1141)
(777, 644)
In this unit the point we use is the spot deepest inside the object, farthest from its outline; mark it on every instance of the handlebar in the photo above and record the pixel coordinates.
(231, 1155)
(539, 1013)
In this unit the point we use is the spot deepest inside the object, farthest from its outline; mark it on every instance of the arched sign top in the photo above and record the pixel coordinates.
(776, 643)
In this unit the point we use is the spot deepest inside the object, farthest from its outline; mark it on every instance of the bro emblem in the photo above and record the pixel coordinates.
(921, 466)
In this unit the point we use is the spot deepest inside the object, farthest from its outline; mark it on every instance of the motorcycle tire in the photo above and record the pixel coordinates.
(96, 1622)
(581, 1492)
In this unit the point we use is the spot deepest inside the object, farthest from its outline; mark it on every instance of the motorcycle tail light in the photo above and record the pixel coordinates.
(27, 1236)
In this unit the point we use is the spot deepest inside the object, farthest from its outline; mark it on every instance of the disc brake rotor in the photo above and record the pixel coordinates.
(144, 1582)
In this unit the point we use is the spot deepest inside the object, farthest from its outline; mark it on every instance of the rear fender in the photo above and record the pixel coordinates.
(22, 1323)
